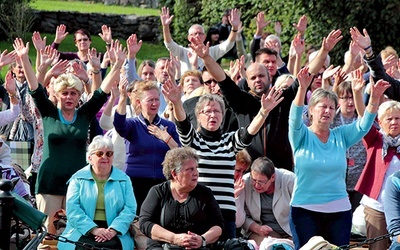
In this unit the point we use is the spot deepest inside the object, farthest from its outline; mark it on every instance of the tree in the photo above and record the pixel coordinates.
(16, 18)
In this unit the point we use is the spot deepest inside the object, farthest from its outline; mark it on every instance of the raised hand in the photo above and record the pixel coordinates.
(48, 55)
(378, 89)
(7, 58)
(37, 41)
(193, 59)
(329, 42)
(357, 81)
(272, 44)
(301, 25)
(364, 41)
(172, 91)
(298, 45)
(133, 46)
(270, 101)
(94, 59)
(122, 87)
(260, 21)
(166, 19)
(234, 18)
(329, 72)
(278, 28)
(304, 78)
(106, 34)
(199, 48)
(9, 84)
(20, 48)
(59, 68)
(79, 71)
(61, 33)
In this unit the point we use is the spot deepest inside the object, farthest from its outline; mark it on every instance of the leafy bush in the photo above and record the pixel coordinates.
(16, 18)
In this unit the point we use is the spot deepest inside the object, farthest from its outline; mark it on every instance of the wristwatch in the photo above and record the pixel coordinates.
(204, 242)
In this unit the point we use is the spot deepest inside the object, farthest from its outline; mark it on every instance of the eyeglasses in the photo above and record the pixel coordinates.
(261, 183)
(210, 81)
(209, 112)
(83, 39)
(101, 153)
(197, 34)
(318, 75)
(346, 98)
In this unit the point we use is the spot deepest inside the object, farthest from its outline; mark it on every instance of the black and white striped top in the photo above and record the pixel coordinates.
(217, 153)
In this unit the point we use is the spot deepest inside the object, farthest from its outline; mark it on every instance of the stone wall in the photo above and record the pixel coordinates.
(147, 28)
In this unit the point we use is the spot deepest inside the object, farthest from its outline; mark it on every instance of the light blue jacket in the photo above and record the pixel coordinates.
(120, 206)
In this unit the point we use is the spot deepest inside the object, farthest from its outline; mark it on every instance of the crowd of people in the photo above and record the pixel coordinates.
(276, 149)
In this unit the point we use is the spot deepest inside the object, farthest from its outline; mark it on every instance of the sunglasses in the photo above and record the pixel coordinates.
(83, 39)
(210, 81)
(101, 153)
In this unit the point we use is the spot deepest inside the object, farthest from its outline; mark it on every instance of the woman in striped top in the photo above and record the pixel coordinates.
(215, 149)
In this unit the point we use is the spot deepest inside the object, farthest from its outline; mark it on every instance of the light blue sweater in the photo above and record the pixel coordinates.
(320, 168)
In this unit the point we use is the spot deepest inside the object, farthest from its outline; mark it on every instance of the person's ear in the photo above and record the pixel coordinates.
(272, 178)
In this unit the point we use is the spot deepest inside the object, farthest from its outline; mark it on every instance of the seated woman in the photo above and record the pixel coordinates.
(100, 202)
(180, 211)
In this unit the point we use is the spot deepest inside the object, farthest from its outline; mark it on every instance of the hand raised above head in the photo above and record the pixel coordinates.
(21, 48)
(61, 33)
(301, 25)
(106, 34)
(331, 40)
(199, 48)
(9, 84)
(260, 20)
(7, 58)
(133, 45)
(270, 101)
(172, 91)
(166, 19)
(37, 41)
(364, 41)
(304, 78)
(357, 81)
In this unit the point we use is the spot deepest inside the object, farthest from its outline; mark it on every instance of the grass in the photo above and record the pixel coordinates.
(148, 50)
(90, 7)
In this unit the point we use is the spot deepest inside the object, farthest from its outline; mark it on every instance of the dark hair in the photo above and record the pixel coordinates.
(264, 166)
(82, 32)
(212, 31)
(267, 51)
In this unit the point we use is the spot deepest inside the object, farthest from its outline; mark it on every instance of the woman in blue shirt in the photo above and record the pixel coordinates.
(320, 204)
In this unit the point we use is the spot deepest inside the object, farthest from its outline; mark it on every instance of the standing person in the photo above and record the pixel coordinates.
(147, 137)
(100, 202)
(320, 203)
(392, 208)
(65, 129)
(356, 155)
(197, 30)
(216, 149)
(180, 211)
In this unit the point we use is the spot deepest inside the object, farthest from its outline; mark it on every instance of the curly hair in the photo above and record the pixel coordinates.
(176, 158)
(68, 81)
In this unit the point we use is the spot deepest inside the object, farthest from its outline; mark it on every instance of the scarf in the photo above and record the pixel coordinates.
(389, 141)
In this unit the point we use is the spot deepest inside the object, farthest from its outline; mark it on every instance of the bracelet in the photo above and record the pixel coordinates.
(234, 30)
(373, 105)
(108, 44)
(167, 141)
(262, 115)
(367, 47)
(95, 72)
(12, 95)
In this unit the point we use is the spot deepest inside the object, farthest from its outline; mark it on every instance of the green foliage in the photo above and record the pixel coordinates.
(187, 13)
(90, 7)
(16, 17)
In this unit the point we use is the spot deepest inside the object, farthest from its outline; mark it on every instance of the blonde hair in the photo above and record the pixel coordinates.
(387, 106)
(67, 81)
(146, 86)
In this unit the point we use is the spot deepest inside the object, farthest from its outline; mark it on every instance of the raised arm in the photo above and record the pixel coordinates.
(7, 58)
(268, 102)
(203, 52)
(106, 34)
(166, 20)
(94, 61)
(304, 78)
(22, 52)
(234, 19)
(133, 46)
(39, 44)
(121, 106)
(377, 91)
(357, 85)
(11, 88)
(174, 92)
(328, 43)
(47, 56)
(61, 34)
(116, 68)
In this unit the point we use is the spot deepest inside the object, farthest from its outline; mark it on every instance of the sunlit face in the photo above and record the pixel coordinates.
(101, 164)
(190, 83)
(210, 84)
(148, 73)
(390, 123)
(68, 98)
(269, 61)
(160, 71)
(82, 42)
(346, 104)
(210, 117)
(188, 176)
(261, 183)
(257, 78)
(150, 102)
(196, 31)
(240, 168)
(323, 112)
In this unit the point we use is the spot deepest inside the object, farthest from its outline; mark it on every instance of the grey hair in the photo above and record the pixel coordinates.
(207, 98)
(318, 95)
(176, 158)
(100, 142)
(386, 106)
(264, 166)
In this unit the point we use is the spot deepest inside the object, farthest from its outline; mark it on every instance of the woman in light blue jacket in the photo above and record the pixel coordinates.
(100, 202)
